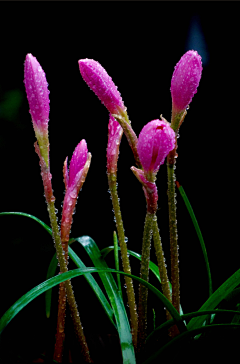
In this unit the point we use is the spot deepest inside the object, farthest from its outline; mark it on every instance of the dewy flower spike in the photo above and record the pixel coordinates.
(115, 132)
(38, 98)
(185, 80)
(74, 180)
(155, 141)
(102, 85)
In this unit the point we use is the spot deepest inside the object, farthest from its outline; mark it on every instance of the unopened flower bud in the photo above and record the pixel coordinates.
(38, 98)
(115, 132)
(102, 85)
(185, 80)
(155, 141)
(74, 180)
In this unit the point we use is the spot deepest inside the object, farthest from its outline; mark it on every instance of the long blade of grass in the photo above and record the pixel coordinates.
(92, 282)
(48, 294)
(41, 288)
(53, 266)
(46, 227)
(195, 223)
(152, 266)
(116, 258)
(115, 298)
(215, 299)
(94, 285)
(118, 307)
(169, 323)
(188, 334)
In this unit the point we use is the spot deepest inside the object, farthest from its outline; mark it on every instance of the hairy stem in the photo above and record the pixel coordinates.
(161, 264)
(46, 176)
(112, 181)
(60, 335)
(173, 233)
(130, 135)
(144, 273)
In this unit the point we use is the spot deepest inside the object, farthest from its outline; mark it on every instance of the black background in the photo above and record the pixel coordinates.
(138, 44)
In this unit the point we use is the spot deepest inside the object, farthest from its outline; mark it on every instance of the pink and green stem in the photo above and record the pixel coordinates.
(112, 182)
(46, 176)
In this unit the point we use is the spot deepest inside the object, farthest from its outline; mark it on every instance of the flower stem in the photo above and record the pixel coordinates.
(144, 273)
(112, 181)
(173, 232)
(161, 263)
(46, 176)
(60, 335)
(130, 135)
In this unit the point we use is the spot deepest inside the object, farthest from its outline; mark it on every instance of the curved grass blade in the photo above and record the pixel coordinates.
(116, 258)
(215, 299)
(118, 307)
(41, 288)
(195, 223)
(92, 282)
(188, 334)
(46, 227)
(152, 266)
(94, 285)
(123, 326)
(53, 266)
(169, 323)
(48, 294)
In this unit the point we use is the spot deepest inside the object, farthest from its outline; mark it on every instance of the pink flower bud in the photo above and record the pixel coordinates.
(155, 141)
(102, 85)
(115, 132)
(74, 180)
(78, 161)
(149, 188)
(185, 80)
(37, 94)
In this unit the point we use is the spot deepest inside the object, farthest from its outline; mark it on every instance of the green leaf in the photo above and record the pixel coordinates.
(118, 307)
(169, 323)
(46, 227)
(115, 298)
(41, 288)
(92, 282)
(94, 285)
(186, 335)
(195, 223)
(50, 273)
(116, 258)
(215, 299)
(152, 266)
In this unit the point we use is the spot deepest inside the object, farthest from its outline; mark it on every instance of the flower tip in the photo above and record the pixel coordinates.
(78, 160)
(97, 78)
(37, 92)
(185, 80)
(155, 141)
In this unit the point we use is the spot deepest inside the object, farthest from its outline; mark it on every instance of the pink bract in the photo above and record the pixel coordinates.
(155, 141)
(37, 92)
(101, 84)
(115, 132)
(185, 80)
(78, 161)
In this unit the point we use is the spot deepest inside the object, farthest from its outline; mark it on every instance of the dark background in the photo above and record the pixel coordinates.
(138, 44)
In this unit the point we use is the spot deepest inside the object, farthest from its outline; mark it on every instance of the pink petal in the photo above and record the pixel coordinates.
(78, 161)
(185, 80)
(37, 92)
(101, 84)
